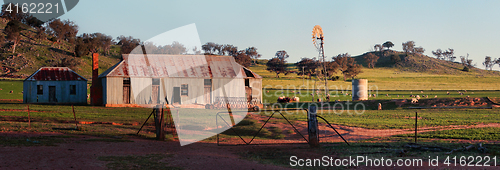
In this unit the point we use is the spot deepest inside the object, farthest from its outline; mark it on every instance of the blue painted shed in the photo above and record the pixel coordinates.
(55, 85)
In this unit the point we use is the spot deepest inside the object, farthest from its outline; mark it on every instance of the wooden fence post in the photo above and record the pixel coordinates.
(74, 115)
(416, 118)
(313, 127)
(160, 133)
(29, 117)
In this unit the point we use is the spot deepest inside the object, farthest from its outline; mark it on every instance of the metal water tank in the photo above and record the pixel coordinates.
(359, 89)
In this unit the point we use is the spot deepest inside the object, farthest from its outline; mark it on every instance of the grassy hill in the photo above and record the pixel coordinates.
(32, 54)
(422, 64)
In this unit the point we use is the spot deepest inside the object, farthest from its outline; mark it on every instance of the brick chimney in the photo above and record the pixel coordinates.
(96, 88)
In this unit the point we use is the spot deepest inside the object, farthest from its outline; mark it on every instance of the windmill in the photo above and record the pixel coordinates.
(317, 38)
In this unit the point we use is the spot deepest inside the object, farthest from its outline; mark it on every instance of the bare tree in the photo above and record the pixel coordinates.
(242, 58)
(418, 50)
(228, 49)
(209, 48)
(488, 62)
(347, 65)
(278, 63)
(408, 47)
(307, 66)
(127, 44)
(497, 61)
(252, 53)
(63, 30)
(40, 34)
(13, 32)
(388, 45)
(379, 48)
(105, 41)
(371, 59)
(438, 53)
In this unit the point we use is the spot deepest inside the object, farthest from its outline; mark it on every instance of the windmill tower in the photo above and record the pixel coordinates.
(317, 38)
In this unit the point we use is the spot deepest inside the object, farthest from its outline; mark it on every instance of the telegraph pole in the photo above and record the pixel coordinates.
(302, 75)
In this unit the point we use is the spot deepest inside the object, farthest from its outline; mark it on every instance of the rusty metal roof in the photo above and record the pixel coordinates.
(55, 74)
(158, 65)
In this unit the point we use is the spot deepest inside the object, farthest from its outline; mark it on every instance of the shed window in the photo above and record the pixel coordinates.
(39, 89)
(184, 89)
(72, 89)
(156, 81)
(207, 82)
(126, 81)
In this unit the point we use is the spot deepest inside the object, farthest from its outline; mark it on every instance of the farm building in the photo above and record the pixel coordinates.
(194, 80)
(55, 85)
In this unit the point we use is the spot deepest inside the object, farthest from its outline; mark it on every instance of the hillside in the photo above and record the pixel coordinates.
(423, 64)
(32, 54)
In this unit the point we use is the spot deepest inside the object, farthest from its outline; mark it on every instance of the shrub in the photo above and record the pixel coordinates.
(395, 58)
(335, 78)
(466, 69)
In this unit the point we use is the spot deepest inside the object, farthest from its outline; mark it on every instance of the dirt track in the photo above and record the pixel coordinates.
(327, 134)
(74, 154)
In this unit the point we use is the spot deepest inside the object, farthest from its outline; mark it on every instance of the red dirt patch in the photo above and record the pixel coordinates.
(80, 154)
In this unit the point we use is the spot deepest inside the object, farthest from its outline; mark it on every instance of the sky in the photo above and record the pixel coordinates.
(352, 27)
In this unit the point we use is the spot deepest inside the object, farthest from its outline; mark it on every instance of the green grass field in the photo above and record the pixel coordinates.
(385, 79)
(271, 95)
(402, 118)
(11, 85)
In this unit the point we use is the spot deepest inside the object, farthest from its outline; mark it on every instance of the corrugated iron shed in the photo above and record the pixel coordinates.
(157, 65)
(55, 74)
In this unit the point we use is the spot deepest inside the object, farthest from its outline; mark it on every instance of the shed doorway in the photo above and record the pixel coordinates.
(52, 94)
(156, 91)
(248, 90)
(207, 92)
(176, 95)
(126, 91)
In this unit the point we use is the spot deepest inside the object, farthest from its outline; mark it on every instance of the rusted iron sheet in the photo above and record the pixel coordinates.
(194, 66)
(55, 74)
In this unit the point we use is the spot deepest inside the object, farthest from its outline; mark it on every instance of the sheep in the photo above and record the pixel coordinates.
(283, 99)
(418, 97)
(414, 100)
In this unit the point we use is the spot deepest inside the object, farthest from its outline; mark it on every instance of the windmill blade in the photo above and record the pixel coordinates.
(316, 34)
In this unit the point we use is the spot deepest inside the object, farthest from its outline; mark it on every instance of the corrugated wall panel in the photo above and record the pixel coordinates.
(114, 90)
(256, 85)
(232, 87)
(104, 90)
(140, 90)
(195, 89)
